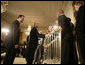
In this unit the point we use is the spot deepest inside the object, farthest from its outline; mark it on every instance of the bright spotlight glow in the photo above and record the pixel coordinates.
(55, 27)
(5, 30)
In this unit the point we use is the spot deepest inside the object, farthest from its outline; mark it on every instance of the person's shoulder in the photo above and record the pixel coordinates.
(15, 21)
(81, 11)
(62, 16)
(34, 28)
(81, 8)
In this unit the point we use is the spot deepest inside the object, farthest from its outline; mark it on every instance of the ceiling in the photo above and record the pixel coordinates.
(43, 12)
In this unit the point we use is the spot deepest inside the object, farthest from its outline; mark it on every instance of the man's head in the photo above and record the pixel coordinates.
(50, 28)
(77, 5)
(21, 18)
(56, 22)
(36, 24)
(60, 12)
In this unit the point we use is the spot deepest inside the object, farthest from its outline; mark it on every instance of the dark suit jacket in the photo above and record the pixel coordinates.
(13, 37)
(80, 21)
(67, 45)
(34, 35)
(80, 31)
(65, 24)
(32, 44)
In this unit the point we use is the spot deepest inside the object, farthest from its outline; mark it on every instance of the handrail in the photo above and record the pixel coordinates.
(52, 48)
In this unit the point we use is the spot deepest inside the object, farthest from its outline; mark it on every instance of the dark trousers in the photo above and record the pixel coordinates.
(30, 54)
(81, 46)
(10, 56)
(68, 51)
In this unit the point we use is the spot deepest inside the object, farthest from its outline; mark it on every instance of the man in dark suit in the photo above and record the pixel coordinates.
(12, 40)
(67, 39)
(80, 28)
(33, 43)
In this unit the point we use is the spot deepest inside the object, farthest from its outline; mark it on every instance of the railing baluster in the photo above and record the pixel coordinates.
(52, 47)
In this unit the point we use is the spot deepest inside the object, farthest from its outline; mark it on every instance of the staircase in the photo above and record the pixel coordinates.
(51, 48)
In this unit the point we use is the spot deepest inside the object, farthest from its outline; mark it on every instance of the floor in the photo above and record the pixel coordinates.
(19, 60)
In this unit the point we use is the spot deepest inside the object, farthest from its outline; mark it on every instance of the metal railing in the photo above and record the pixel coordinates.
(51, 49)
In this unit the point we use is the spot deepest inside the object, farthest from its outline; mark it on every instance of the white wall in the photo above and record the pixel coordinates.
(68, 9)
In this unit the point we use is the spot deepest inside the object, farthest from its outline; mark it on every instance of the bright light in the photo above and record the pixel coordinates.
(55, 27)
(5, 30)
(27, 31)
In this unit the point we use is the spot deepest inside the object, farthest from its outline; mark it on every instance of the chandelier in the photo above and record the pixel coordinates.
(4, 6)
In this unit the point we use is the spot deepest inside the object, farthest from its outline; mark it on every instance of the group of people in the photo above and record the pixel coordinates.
(68, 47)
(68, 39)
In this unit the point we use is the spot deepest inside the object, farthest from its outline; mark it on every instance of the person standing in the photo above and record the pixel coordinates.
(79, 8)
(67, 39)
(33, 43)
(12, 40)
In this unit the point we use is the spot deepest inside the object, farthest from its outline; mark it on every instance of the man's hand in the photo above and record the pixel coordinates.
(16, 46)
(40, 32)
